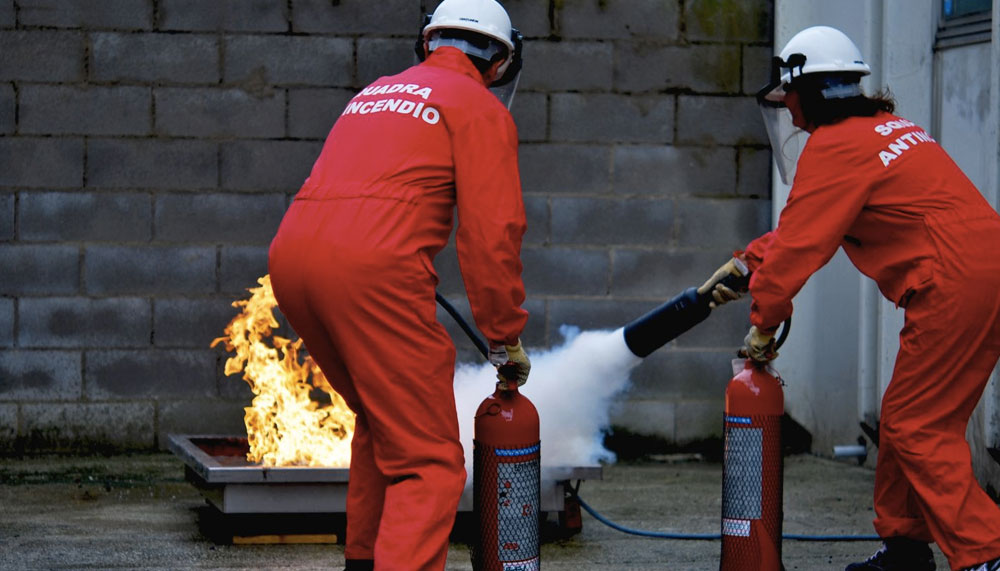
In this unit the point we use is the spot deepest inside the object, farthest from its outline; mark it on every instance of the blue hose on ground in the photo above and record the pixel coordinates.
(708, 536)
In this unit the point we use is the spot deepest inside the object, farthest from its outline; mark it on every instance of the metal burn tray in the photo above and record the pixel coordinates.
(218, 467)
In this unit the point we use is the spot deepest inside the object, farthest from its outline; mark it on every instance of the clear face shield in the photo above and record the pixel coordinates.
(505, 86)
(786, 139)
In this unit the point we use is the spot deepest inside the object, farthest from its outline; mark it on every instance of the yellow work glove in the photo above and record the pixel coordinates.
(722, 294)
(511, 355)
(759, 346)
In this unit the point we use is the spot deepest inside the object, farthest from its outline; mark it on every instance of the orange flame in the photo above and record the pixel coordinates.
(285, 426)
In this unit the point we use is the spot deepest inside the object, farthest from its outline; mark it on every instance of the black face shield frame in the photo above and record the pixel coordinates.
(773, 94)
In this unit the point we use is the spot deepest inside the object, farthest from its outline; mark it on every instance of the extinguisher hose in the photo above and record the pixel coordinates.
(508, 371)
(462, 323)
(703, 536)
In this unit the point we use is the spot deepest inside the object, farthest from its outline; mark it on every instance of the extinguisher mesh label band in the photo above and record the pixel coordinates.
(518, 498)
(741, 482)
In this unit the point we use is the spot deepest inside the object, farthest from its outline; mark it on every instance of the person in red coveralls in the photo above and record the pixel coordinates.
(351, 268)
(882, 189)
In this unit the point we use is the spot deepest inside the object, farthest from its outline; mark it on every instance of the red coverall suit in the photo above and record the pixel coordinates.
(908, 218)
(351, 267)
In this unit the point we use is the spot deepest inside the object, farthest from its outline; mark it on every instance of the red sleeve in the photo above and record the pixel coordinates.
(491, 221)
(754, 254)
(826, 198)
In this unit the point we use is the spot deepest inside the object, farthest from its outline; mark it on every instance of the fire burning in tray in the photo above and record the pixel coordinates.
(286, 425)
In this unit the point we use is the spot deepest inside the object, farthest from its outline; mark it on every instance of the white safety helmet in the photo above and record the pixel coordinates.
(826, 50)
(832, 60)
(486, 18)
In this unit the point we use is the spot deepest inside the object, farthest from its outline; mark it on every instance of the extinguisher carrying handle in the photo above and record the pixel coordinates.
(508, 371)
(786, 326)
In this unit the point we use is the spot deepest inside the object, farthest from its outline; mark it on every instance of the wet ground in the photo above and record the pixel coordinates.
(138, 512)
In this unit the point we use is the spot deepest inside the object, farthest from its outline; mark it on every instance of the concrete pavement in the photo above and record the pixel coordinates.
(138, 512)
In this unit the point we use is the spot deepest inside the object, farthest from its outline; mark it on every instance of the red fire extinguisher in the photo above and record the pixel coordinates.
(506, 482)
(752, 469)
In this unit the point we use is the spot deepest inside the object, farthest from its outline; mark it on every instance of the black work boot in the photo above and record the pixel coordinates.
(991, 565)
(359, 564)
(898, 554)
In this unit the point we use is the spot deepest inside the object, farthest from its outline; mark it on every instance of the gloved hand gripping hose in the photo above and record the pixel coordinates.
(509, 371)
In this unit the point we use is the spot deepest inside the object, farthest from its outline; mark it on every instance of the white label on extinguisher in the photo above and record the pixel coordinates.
(737, 527)
(741, 483)
(517, 514)
(522, 565)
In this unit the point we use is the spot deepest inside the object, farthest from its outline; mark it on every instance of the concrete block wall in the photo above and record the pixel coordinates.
(148, 149)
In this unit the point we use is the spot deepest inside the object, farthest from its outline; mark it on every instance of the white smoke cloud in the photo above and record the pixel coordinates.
(572, 386)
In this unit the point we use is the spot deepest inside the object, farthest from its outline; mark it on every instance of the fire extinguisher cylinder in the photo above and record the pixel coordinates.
(752, 469)
(506, 482)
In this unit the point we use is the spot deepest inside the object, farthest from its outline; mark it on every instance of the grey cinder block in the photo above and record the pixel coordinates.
(658, 275)
(40, 375)
(755, 172)
(223, 15)
(80, 322)
(83, 427)
(536, 208)
(7, 14)
(610, 117)
(155, 57)
(396, 17)
(565, 271)
(240, 267)
(531, 115)
(696, 68)
(612, 221)
(289, 60)
(313, 111)
(212, 113)
(106, 14)
(668, 170)
(379, 57)
(85, 216)
(93, 110)
(657, 20)
(131, 374)
(149, 270)
(569, 66)
(41, 55)
(6, 217)
(218, 218)
(8, 426)
(712, 120)
(49, 269)
(191, 323)
(554, 168)
(35, 162)
(7, 108)
(735, 222)
(6, 322)
(152, 164)
(728, 21)
(267, 165)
